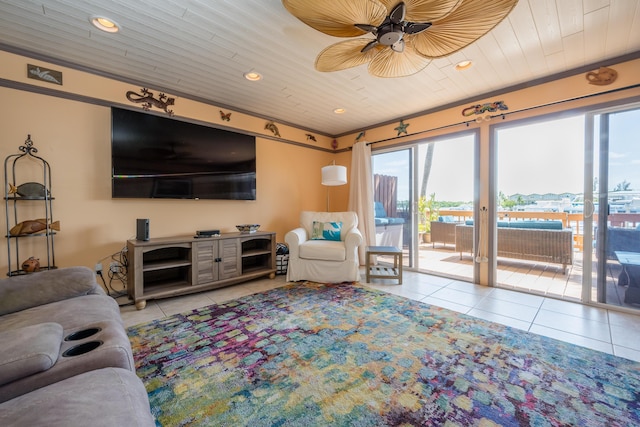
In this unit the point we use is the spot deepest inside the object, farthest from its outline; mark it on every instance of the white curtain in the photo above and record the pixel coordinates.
(361, 195)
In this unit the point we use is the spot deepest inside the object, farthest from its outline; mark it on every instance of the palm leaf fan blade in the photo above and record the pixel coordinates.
(343, 55)
(466, 24)
(388, 63)
(424, 10)
(337, 18)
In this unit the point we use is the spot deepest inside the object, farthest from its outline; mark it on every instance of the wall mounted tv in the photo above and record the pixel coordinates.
(159, 157)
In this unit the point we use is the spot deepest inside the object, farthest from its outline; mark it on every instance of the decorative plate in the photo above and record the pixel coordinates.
(248, 228)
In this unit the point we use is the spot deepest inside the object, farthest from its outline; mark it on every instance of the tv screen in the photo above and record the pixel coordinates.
(159, 157)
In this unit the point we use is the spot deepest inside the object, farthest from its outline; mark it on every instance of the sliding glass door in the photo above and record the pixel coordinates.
(539, 220)
(567, 216)
(445, 193)
(430, 186)
(393, 201)
(615, 202)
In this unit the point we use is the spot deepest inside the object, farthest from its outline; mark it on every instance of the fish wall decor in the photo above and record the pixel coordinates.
(273, 128)
(29, 190)
(32, 226)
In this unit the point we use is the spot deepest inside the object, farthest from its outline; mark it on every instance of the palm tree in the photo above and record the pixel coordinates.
(428, 160)
(623, 186)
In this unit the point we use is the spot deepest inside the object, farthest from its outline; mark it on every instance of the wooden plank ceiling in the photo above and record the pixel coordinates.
(201, 49)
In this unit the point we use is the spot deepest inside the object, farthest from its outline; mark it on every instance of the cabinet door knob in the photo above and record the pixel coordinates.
(218, 260)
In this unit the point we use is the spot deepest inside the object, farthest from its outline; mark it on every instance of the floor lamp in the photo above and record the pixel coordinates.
(333, 175)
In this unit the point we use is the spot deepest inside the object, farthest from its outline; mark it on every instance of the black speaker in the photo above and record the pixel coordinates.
(142, 229)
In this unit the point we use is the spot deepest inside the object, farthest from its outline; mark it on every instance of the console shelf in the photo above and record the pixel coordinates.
(166, 267)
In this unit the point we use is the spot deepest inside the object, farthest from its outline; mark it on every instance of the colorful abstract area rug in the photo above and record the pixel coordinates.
(344, 355)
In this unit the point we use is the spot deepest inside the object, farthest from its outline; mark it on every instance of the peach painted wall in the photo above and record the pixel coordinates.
(74, 137)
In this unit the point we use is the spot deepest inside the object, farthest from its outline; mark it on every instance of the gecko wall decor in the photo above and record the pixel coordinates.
(146, 98)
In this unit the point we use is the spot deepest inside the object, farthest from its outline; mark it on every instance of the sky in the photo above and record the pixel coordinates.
(546, 157)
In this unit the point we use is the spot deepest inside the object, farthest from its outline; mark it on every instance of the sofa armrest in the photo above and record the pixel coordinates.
(294, 239)
(352, 240)
(29, 350)
(31, 290)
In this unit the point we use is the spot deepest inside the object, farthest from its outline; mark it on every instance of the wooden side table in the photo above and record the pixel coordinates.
(382, 272)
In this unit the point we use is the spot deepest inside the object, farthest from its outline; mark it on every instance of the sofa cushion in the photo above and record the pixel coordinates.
(72, 314)
(22, 292)
(108, 347)
(104, 397)
(325, 250)
(29, 350)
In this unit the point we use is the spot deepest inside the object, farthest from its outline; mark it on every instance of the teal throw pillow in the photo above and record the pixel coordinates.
(326, 231)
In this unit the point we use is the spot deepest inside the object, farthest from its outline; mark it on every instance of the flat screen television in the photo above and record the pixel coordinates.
(160, 157)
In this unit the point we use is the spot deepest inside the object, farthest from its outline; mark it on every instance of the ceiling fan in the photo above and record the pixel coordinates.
(407, 34)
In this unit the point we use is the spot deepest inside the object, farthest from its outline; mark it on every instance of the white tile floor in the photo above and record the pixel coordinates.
(597, 328)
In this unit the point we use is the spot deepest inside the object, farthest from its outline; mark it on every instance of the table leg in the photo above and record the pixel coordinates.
(367, 265)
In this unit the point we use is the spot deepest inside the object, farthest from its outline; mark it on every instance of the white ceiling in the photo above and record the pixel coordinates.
(200, 49)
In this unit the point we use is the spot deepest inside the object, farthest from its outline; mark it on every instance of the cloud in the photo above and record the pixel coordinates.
(614, 155)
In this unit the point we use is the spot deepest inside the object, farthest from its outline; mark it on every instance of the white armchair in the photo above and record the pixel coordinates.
(322, 260)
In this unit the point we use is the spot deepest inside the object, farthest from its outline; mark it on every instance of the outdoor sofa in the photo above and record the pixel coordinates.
(388, 229)
(443, 231)
(544, 241)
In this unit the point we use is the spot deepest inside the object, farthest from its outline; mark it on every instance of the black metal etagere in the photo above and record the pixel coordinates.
(19, 194)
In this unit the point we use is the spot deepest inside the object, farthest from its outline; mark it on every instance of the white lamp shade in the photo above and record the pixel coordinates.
(334, 175)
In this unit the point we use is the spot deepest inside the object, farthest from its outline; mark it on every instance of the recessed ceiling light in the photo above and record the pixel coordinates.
(105, 24)
(253, 76)
(339, 111)
(463, 65)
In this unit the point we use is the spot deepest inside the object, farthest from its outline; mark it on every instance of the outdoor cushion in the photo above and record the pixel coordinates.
(396, 220)
(379, 210)
(29, 350)
(540, 225)
(382, 221)
(381, 217)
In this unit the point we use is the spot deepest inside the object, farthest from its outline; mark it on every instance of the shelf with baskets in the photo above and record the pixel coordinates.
(25, 197)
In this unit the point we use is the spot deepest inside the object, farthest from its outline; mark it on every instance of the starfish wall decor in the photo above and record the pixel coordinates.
(402, 128)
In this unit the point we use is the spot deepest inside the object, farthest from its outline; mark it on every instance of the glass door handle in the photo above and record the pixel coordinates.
(589, 208)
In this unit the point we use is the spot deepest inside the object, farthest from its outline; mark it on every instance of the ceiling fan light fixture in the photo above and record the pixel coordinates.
(407, 33)
(104, 24)
(390, 38)
(463, 65)
(252, 76)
